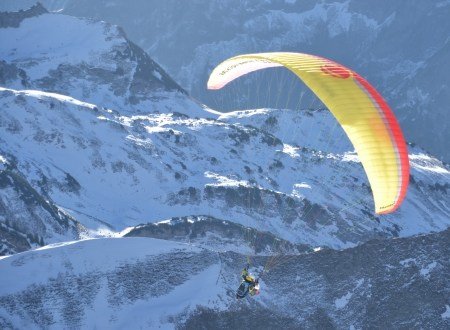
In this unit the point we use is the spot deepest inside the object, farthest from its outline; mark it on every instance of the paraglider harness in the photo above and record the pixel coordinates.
(249, 285)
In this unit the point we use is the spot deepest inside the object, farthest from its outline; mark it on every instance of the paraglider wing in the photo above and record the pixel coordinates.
(362, 112)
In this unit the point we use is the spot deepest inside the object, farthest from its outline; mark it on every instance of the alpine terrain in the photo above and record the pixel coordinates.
(125, 202)
(403, 47)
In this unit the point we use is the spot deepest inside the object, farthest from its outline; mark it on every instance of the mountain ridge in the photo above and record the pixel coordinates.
(331, 288)
(173, 160)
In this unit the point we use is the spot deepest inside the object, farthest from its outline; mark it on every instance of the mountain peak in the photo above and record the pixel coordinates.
(89, 60)
(12, 13)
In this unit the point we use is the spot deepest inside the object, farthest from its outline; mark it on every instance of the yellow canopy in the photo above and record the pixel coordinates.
(362, 112)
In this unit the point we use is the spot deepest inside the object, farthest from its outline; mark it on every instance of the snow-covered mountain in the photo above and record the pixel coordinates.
(118, 163)
(107, 168)
(96, 140)
(402, 47)
(148, 283)
(89, 60)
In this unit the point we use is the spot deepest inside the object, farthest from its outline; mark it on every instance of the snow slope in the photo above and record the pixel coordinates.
(107, 282)
(148, 283)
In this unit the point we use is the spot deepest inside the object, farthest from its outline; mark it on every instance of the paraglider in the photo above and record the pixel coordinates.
(361, 111)
(249, 285)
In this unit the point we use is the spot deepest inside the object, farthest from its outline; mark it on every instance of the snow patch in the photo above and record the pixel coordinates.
(351, 157)
(343, 301)
(446, 314)
(243, 113)
(302, 185)
(425, 272)
(407, 262)
(3, 160)
(299, 188)
(157, 75)
(290, 150)
(56, 245)
(225, 181)
(425, 163)
(45, 95)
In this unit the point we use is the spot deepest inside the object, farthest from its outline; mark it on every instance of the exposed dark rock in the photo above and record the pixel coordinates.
(10, 72)
(27, 218)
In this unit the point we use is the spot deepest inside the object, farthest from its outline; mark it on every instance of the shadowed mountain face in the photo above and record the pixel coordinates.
(11, 18)
(381, 284)
(29, 219)
(216, 234)
(375, 285)
(401, 47)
